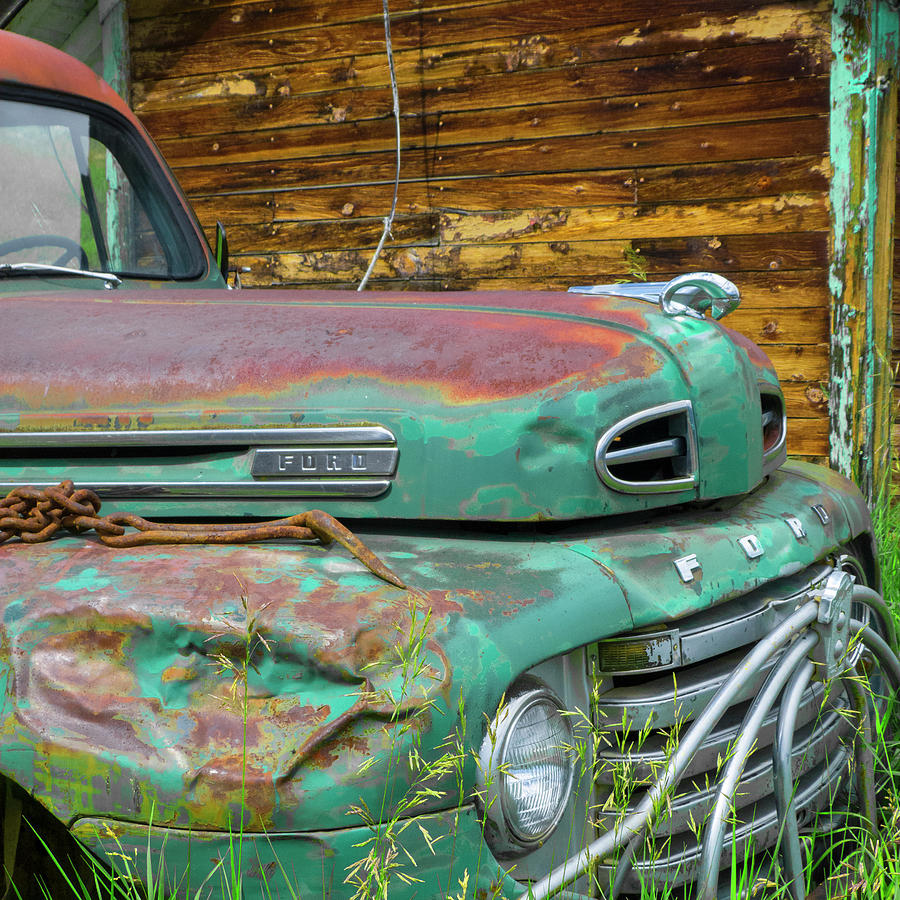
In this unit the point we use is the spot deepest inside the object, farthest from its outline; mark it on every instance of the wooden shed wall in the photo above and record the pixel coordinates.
(544, 144)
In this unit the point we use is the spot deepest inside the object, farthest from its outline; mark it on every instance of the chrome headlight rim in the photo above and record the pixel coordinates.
(507, 839)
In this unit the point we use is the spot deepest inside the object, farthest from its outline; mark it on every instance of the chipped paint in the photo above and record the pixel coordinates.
(230, 87)
(122, 681)
(286, 690)
(776, 22)
(865, 40)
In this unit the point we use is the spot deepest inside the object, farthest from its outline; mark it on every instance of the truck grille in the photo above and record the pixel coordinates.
(652, 683)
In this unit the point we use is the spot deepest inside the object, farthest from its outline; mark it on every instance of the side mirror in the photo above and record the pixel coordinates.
(222, 250)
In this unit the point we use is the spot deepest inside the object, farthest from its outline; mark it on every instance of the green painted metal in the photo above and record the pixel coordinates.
(314, 864)
(116, 46)
(113, 706)
(502, 429)
(865, 40)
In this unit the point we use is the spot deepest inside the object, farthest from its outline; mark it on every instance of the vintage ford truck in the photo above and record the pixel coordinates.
(574, 580)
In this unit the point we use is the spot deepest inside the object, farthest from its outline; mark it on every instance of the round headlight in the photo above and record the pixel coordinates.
(527, 767)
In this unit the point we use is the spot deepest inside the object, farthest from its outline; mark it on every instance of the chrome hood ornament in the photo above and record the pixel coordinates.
(685, 295)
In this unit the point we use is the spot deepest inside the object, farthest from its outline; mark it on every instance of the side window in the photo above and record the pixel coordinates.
(132, 244)
(43, 212)
(76, 194)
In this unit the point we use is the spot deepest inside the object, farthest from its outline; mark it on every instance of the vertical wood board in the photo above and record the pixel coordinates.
(865, 36)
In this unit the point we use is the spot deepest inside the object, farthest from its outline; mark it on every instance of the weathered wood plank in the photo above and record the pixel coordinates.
(733, 254)
(530, 31)
(668, 146)
(809, 439)
(324, 235)
(277, 99)
(669, 184)
(175, 17)
(165, 24)
(637, 113)
(789, 213)
(767, 297)
(736, 255)
(503, 54)
(805, 401)
(577, 260)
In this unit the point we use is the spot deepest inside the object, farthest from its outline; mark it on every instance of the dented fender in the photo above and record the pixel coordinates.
(124, 694)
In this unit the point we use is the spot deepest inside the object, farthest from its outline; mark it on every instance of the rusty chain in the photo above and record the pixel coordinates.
(34, 515)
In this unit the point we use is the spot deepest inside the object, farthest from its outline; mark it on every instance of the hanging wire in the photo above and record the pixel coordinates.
(389, 219)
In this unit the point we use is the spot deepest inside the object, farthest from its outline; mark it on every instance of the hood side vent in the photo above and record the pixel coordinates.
(654, 451)
(774, 427)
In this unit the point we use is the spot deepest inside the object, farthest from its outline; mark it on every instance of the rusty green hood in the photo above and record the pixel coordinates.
(489, 406)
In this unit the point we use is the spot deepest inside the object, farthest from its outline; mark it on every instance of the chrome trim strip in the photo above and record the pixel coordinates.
(686, 482)
(646, 452)
(738, 623)
(216, 490)
(654, 750)
(679, 860)
(814, 743)
(638, 290)
(318, 462)
(201, 437)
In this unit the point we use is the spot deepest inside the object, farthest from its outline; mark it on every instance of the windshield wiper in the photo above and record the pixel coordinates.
(109, 280)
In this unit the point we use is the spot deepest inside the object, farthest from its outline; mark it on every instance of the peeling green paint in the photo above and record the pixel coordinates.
(116, 45)
(865, 39)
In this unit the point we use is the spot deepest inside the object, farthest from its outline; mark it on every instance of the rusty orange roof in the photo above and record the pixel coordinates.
(26, 61)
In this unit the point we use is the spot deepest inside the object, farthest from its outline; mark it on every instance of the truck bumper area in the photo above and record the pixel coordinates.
(801, 692)
(434, 856)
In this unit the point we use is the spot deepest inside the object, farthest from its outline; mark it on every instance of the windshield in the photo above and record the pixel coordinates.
(78, 192)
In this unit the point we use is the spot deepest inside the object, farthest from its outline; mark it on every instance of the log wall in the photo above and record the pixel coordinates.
(544, 144)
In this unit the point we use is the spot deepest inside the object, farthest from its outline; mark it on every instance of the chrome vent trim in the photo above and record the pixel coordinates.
(773, 415)
(674, 439)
